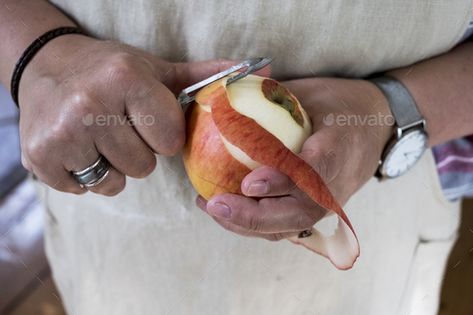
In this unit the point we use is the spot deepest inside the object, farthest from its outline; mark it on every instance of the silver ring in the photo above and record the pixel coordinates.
(94, 174)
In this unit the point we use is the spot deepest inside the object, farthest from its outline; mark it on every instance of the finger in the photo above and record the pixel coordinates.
(242, 231)
(267, 215)
(126, 151)
(45, 161)
(163, 124)
(55, 176)
(266, 181)
(113, 183)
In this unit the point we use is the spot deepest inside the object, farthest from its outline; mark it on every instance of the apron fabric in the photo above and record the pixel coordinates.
(150, 250)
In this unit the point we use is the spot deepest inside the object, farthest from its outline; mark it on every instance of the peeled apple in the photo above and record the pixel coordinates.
(256, 121)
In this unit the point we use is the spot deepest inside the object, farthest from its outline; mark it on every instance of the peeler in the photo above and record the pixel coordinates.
(187, 95)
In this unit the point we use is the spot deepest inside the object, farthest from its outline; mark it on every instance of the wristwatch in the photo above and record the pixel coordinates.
(410, 139)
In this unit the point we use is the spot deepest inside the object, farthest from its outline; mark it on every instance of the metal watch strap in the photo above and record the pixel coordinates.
(401, 102)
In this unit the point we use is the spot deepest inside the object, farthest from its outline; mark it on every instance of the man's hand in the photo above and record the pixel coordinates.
(81, 97)
(351, 125)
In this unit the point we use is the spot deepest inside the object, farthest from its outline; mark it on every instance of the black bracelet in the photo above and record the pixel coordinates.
(31, 51)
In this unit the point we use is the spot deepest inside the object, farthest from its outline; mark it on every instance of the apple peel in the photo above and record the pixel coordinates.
(209, 141)
(341, 247)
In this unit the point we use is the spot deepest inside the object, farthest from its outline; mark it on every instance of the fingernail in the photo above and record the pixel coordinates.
(219, 209)
(259, 187)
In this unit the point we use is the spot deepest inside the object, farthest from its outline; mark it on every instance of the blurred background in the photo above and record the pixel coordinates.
(26, 285)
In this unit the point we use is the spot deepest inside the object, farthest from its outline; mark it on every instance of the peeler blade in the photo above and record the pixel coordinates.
(187, 95)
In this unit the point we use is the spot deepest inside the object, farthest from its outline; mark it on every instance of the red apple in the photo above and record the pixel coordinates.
(252, 122)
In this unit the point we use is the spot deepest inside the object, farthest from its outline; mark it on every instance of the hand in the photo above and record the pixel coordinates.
(81, 97)
(351, 125)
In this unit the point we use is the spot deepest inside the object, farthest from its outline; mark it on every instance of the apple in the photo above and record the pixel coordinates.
(256, 121)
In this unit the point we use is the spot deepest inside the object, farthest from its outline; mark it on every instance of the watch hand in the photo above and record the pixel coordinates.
(411, 152)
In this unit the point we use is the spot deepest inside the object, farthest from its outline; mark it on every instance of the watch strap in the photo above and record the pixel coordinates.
(401, 102)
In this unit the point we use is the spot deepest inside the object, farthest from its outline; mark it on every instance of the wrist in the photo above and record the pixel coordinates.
(24, 22)
(410, 141)
(57, 55)
(377, 106)
(53, 62)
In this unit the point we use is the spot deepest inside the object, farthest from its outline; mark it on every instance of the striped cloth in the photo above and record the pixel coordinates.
(455, 160)
(455, 166)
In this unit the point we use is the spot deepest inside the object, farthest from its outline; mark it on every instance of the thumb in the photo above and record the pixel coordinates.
(266, 181)
(188, 73)
(325, 151)
(322, 151)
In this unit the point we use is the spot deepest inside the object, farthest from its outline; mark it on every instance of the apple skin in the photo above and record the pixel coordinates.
(232, 130)
(211, 169)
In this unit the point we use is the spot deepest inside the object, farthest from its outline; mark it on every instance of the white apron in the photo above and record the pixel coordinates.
(150, 250)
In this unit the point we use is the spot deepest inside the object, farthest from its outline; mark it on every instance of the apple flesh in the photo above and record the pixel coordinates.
(256, 121)
(214, 164)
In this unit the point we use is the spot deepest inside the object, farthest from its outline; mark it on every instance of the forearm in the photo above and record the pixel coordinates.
(21, 22)
(443, 90)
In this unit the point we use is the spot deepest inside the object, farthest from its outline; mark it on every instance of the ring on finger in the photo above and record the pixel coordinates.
(94, 174)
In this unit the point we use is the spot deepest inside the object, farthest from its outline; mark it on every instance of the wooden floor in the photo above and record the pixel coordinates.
(42, 300)
(457, 291)
(456, 299)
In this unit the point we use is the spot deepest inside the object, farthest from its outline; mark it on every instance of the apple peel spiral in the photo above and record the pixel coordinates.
(256, 121)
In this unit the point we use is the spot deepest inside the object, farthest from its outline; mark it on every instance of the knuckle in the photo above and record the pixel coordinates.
(349, 138)
(254, 223)
(322, 166)
(303, 222)
(312, 154)
(36, 149)
(275, 237)
(79, 115)
(61, 131)
(80, 100)
(121, 67)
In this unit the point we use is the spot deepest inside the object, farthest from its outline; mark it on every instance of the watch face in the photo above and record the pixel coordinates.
(404, 153)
